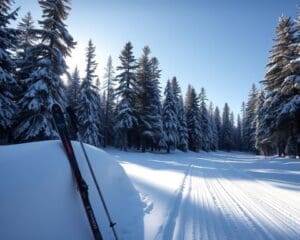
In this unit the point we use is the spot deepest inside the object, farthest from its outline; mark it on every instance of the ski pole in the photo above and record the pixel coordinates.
(59, 122)
(74, 125)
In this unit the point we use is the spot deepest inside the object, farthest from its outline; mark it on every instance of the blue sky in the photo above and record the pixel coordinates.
(220, 45)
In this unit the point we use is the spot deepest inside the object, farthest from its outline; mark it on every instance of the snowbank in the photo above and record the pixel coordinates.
(39, 199)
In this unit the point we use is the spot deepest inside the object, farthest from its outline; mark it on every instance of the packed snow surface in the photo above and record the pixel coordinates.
(39, 198)
(216, 195)
(180, 196)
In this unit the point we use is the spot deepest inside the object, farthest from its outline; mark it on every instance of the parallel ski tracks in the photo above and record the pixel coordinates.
(210, 204)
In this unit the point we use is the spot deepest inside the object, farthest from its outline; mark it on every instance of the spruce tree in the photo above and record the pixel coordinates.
(182, 130)
(218, 122)
(8, 84)
(126, 91)
(233, 131)
(193, 119)
(213, 128)
(44, 83)
(109, 102)
(238, 136)
(289, 111)
(180, 116)
(157, 124)
(74, 88)
(261, 129)
(26, 38)
(205, 123)
(281, 73)
(243, 126)
(169, 118)
(249, 127)
(176, 88)
(89, 107)
(226, 135)
(145, 106)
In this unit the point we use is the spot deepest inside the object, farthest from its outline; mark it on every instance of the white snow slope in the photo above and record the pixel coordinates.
(180, 196)
(216, 195)
(39, 198)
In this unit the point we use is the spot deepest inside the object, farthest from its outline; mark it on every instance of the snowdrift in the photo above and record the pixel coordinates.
(39, 197)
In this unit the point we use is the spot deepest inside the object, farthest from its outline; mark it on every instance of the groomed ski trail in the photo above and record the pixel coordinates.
(213, 206)
(217, 199)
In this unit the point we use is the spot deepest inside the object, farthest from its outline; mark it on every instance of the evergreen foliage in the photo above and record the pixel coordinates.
(44, 82)
(218, 122)
(226, 134)
(88, 109)
(249, 124)
(127, 91)
(282, 104)
(213, 128)
(8, 83)
(147, 108)
(182, 130)
(74, 88)
(109, 103)
(193, 119)
(205, 122)
(169, 118)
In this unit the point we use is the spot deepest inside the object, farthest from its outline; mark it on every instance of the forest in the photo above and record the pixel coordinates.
(127, 108)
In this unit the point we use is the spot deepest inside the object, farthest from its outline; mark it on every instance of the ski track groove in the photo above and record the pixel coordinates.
(210, 205)
(273, 214)
(169, 226)
(277, 207)
(270, 195)
(262, 207)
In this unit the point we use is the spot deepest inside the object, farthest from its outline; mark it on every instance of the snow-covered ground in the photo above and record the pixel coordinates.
(39, 198)
(216, 195)
(167, 196)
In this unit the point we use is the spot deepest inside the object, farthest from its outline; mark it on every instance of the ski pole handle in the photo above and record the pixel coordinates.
(73, 118)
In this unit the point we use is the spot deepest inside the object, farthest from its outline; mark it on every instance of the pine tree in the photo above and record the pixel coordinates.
(218, 122)
(193, 119)
(238, 136)
(7, 80)
(146, 108)
(89, 106)
(44, 83)
(226, 135)
(74, 88)
(261, 129)
(180, 122)
(176, 88)
(182, 130)
(157, 123)
(214, 131)
(243, 126)
(26, 38)
(280, 74)
(126, 92)
(233, 131)
(169, 118)
(249, 127)
(109, 101)
(205, 123)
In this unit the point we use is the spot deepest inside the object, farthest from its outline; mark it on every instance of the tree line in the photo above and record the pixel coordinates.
(272, 114)
(127, 108)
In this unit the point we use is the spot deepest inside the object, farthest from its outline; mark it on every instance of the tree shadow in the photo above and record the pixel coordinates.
(280, 172)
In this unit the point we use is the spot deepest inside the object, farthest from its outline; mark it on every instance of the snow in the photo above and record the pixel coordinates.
(167, 196)
(40, 200)
(216, 195)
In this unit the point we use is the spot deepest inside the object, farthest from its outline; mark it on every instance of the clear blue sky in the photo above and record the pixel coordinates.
(221, 45)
